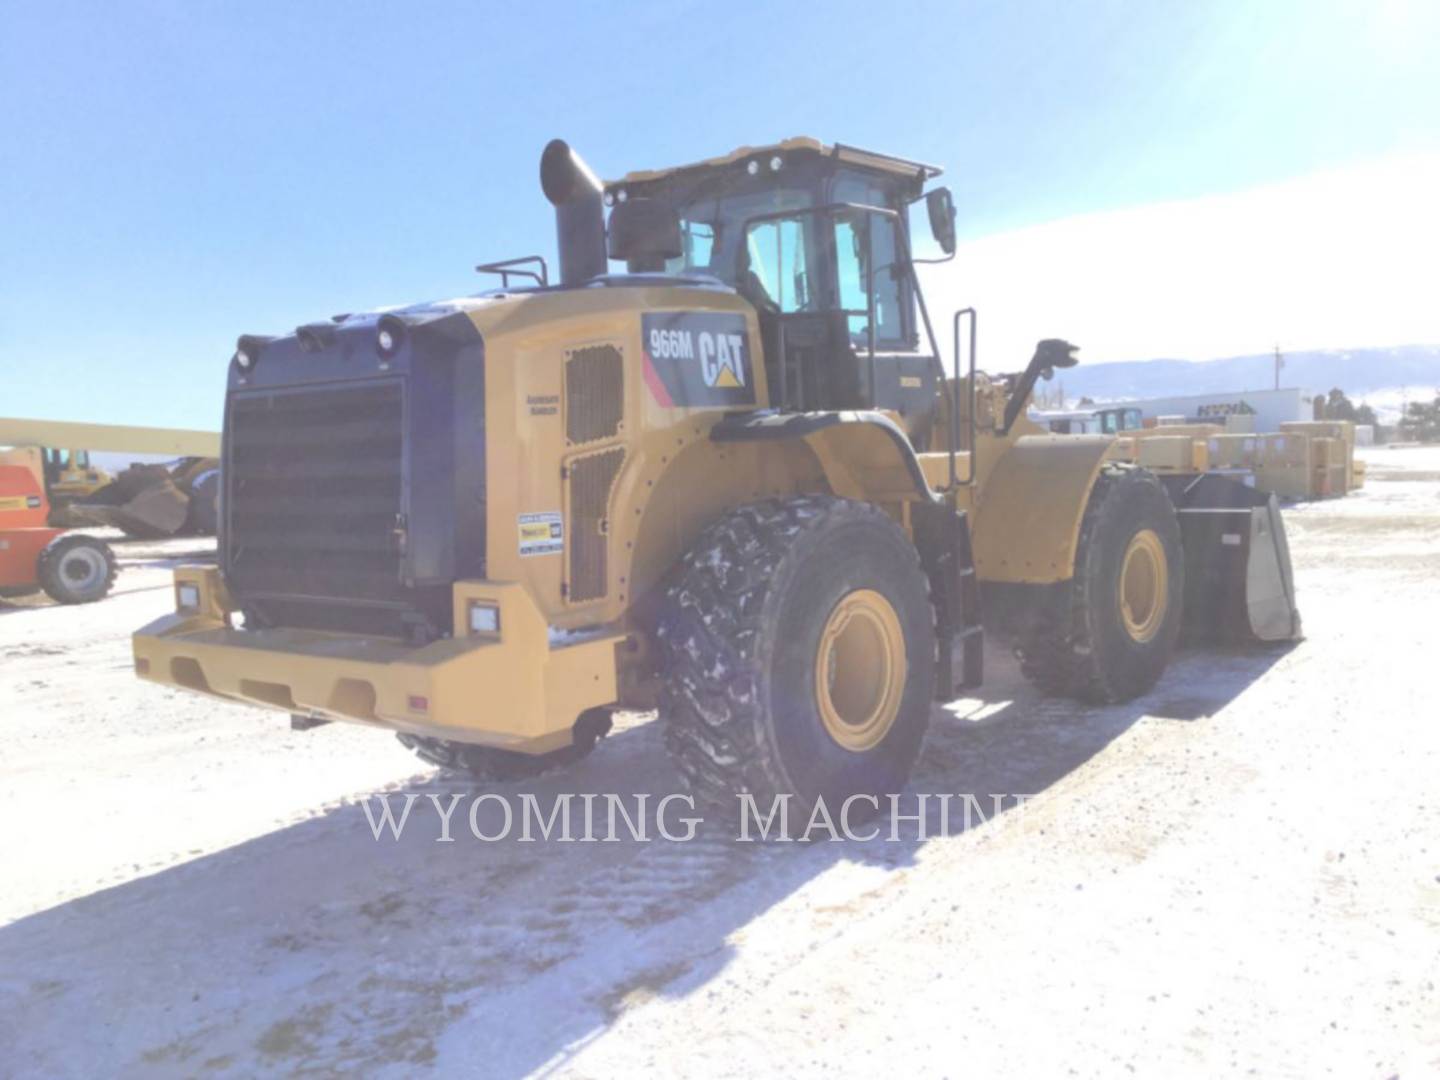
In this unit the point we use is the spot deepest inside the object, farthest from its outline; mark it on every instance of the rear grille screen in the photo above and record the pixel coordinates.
(594, 393)
(590, 481)
(313, 484)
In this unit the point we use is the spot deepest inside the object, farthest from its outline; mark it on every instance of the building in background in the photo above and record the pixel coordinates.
(1270, 408)
(1266, 410)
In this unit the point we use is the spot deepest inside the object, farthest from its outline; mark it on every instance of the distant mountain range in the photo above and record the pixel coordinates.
(1383, 376)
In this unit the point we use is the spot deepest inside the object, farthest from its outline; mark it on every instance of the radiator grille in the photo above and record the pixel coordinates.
(594, 393)
(313, 484)
(590, 481)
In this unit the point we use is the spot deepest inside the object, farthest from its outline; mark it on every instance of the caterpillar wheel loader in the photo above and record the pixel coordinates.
(70, 475)
(143, 501)
(149, 502)
(731, 479)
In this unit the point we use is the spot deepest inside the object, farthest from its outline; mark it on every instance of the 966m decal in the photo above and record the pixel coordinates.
(697, 358)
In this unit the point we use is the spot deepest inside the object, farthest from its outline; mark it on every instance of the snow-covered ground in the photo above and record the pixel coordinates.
(1238, 873)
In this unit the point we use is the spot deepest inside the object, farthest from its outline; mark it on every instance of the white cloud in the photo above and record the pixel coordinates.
(1347, 257)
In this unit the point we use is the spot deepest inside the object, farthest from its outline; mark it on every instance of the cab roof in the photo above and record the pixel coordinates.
(850, 155)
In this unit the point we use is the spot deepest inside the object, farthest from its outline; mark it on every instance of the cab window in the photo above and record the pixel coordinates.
(865, 254)
(777, 259)
(698, 244)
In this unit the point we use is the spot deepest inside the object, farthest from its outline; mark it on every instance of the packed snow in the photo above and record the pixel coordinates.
(1239, 872)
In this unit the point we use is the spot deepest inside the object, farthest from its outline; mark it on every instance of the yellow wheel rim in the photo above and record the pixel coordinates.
(1144, 586)
(860, 670)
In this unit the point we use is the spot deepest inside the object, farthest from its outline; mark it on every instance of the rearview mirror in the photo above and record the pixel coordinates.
(941, 207)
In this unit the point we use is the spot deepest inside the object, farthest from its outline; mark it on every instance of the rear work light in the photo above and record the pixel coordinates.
(484, 618)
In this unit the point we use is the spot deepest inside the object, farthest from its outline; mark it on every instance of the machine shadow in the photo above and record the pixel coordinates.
(167, 560)
(320, 947)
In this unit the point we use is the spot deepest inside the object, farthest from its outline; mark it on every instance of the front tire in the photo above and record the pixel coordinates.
(76, 569)
(1112, 633)
(799, 648)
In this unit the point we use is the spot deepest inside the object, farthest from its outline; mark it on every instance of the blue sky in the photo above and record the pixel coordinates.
(176, 173)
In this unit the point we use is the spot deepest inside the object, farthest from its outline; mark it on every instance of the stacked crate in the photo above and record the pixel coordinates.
(1284, 465)
(1337, 474)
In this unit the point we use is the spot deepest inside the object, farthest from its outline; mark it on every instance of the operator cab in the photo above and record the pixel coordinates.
(816, 238)
(1118, 419)
(68, 466)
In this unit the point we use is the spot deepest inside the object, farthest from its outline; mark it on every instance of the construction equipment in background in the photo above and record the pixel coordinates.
(143, 501)
(70, 475)
(148, 502)
(34, 555)
(733, 480)
(1115, 419)
(1306, 459)
(1066, 421)
(1109, 420)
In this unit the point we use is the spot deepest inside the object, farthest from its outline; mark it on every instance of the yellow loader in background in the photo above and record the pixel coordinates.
(143, 501)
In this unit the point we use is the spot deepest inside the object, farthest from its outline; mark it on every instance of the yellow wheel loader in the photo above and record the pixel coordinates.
(730, 479)
(70, 475)
(143, 501)
(149, 502)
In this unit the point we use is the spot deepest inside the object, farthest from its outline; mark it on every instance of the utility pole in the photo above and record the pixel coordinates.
(1279, 363)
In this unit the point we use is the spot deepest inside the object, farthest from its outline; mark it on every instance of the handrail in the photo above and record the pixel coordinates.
(506, 267)
(954, 425)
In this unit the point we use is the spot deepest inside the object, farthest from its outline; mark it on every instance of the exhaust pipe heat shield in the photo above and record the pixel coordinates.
(579, 212)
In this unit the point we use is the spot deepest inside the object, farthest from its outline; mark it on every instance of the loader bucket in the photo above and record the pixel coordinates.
(1239, 587)
(144, 502)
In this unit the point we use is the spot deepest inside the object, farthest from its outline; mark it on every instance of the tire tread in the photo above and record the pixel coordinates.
(1057, 653)
(712, 638)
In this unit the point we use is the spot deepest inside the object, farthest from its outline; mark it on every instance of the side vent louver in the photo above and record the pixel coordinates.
(590, 481)
(594, 393)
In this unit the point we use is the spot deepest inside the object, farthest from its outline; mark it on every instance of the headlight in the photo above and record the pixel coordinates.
(247, 350)
(389, 336)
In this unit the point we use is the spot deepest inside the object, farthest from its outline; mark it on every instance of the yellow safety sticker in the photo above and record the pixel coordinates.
(542, 534)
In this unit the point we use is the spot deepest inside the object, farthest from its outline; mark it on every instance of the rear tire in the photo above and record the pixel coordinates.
(798, 644)
(201, 515)
(76, 569)
(1114, 628)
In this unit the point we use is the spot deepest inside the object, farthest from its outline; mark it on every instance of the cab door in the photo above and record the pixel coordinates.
(873, 281)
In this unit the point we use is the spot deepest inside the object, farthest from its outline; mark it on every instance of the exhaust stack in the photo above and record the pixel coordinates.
(579, 212)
